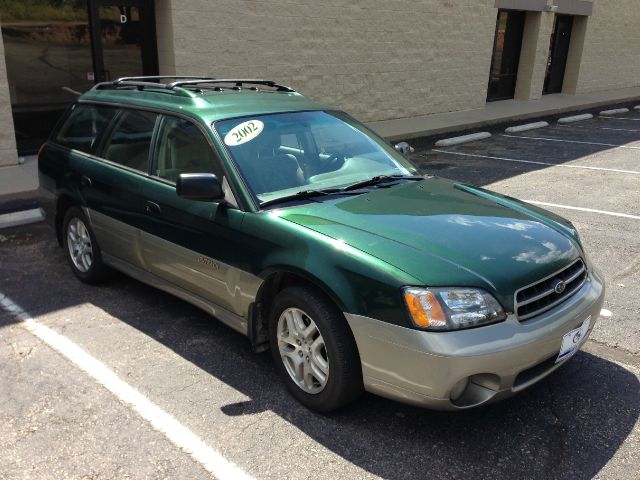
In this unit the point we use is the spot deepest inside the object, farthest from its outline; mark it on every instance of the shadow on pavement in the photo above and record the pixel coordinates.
(568, 426)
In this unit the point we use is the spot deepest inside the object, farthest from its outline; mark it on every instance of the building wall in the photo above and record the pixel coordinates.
(611, 53)
(8, 154)
(377, 59)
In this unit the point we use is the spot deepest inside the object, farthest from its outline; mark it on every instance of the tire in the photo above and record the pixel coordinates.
(88, 267)
(291, 349)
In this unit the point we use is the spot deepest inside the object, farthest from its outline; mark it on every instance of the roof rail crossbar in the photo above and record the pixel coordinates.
(163, 77)
(125, 82)
(181, 84)
(238, 82)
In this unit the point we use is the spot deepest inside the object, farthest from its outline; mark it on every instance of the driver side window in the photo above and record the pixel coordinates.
(182, 148)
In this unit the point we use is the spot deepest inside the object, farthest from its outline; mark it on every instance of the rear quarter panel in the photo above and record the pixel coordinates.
(59, 171)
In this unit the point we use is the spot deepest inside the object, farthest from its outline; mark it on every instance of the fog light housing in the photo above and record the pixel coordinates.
(458, 389)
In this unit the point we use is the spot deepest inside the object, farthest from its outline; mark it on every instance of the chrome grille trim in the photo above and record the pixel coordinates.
(574, 276)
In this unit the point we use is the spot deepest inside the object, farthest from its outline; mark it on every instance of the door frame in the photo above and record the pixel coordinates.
(515, 18)
(149, 45)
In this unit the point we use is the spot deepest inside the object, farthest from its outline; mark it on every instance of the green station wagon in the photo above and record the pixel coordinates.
(302, 229)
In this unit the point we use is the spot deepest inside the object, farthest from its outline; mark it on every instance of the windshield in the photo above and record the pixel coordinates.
(282, 154)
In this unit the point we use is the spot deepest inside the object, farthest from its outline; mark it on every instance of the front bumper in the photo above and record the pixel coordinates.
(423, 368)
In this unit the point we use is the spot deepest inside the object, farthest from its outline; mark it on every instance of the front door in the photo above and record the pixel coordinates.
(196, 246)
(506, 55)
(123, 38)
(558, 51)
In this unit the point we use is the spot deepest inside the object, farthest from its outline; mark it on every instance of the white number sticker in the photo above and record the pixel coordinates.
(243, 133)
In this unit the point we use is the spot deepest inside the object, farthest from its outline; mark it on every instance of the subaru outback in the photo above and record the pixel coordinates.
(302, 229)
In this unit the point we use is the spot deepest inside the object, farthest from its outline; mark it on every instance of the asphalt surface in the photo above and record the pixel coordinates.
(581, 422)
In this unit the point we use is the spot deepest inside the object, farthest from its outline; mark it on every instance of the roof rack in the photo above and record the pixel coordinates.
(182, 85)
(237, 82)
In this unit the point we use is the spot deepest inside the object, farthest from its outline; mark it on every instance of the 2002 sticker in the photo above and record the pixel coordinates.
(243, 133)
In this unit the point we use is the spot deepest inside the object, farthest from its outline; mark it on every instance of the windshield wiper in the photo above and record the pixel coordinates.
(380, 179)
(302, 194)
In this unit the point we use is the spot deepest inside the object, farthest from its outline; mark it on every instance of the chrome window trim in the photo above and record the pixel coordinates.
(162, 112)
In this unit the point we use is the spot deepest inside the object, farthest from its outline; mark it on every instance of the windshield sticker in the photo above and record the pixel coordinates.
(243, 133)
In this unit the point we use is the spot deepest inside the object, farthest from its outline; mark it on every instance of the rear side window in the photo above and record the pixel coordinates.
(182, 148)
(130, 139)
(83, 127)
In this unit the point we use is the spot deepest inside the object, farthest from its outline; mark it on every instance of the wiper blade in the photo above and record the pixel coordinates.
(380, 179)
(300, 195)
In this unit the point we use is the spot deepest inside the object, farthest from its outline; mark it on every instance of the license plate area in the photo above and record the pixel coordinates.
(573, 340)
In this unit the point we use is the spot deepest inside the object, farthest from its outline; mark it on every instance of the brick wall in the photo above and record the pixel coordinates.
(611, 54)
(377, 59)
(8, 155)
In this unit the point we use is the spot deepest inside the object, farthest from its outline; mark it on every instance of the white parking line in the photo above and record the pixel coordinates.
(622, 118)
(571, 141)
(160, 420)
(581, 209)
(538, 163)
(601, 128)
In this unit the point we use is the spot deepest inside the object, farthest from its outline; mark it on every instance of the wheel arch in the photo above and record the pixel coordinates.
(277, 279)
(63, 204)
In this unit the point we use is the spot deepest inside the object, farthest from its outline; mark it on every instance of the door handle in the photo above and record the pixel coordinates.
(85, 181)
(152, 207)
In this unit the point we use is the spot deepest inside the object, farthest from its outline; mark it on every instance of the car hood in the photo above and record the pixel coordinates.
(446, 234)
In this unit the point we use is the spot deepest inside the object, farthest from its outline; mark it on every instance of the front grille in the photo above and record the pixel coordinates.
(541, 296)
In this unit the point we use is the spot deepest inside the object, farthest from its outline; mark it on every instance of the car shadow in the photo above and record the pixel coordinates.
(567, 426)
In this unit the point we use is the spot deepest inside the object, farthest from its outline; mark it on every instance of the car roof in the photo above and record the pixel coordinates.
(207, 104)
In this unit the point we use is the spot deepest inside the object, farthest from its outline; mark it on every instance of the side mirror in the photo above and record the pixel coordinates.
(199, 186)
(404, 148)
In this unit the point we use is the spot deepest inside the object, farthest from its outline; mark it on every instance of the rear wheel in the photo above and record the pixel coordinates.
(314, 350)
(82, 250)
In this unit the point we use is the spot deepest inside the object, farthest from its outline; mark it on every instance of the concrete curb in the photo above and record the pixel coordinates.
(615, 111)
(575, 118)
(637, 107)
(526, 127)
(20, 218)
(448, 142)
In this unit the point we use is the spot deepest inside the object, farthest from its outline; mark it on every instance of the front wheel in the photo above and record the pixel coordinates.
(314, 350)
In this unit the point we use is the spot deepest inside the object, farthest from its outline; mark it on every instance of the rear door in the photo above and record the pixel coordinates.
(195, 245)
(112, 185)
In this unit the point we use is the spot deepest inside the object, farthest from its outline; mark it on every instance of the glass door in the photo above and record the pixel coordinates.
(123, 35)
(506, 55)
(54, 54)
(558, 52)
(48, 59)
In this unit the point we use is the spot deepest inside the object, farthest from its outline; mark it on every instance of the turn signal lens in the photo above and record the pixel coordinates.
(424, 308)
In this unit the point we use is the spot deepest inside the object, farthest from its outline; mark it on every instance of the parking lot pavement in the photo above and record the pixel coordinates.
(588, 174)
(581, 422)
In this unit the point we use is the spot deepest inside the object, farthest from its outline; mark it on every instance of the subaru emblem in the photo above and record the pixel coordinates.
(560, 287)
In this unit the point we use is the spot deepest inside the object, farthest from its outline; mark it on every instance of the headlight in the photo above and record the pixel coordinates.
(452, 308)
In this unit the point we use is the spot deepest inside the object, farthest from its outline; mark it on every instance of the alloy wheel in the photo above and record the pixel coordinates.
(79, 244)
(303, 351)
